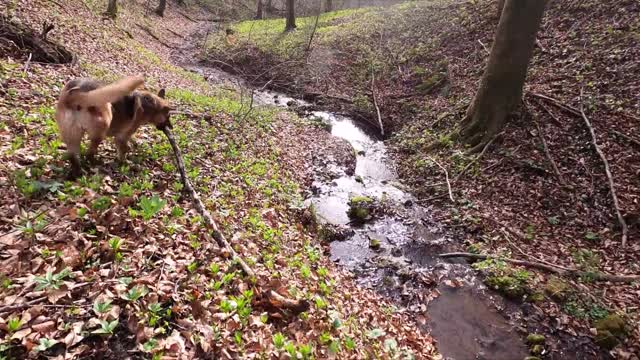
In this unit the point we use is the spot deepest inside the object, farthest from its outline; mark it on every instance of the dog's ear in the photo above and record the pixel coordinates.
(162, 93)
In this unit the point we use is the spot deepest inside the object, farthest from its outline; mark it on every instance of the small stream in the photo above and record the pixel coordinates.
(461, 314)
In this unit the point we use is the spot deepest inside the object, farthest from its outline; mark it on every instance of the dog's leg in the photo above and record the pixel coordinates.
(122, 145)
(71, 134)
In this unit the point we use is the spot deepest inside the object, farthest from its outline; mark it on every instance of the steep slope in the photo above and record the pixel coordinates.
(118, 264)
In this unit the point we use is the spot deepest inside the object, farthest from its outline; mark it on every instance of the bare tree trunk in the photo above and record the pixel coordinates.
(328, 6)
(500, 89)
(269, 8)
(162, 5)
(259, 12)
(291, 16)
(499, 9)
(112, 9)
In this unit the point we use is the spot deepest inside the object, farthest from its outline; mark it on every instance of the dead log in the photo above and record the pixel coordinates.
(32, 42)
(555, 269)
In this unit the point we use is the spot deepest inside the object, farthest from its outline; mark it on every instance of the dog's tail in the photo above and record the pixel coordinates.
(106, 94)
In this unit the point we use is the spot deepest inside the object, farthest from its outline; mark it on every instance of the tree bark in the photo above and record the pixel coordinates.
(291, 16)
(112, 9)
(259, 11)
(269, 7)
(499, 9)
(162, 5)
(328, 6)
(501, 86)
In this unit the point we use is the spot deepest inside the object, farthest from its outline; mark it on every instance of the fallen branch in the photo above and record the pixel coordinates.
(148, 31)
(627, 137)
(616, 205)
(596, 276)
(558, 103)
(197, 203)
(548, 153)
(553, 116)
(484, 47)
(375, 102)
(446, 176)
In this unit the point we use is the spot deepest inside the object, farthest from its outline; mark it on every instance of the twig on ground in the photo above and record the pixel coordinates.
(217, 234)
(446, 176)
(26, 65)
(627, 137)
(375, 102)
(557, 103)
(477, 157)
(614, 197)
(17, 307)
(553, 116)
(596, 276)
(484, 47)
(548, 153)
(148, 31)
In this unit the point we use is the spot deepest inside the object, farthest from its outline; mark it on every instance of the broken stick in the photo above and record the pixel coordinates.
(607, 170)
(197, 203)
(596, 276)
(375, 102)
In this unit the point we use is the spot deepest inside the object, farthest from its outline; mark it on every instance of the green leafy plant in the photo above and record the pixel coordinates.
(13, 324)
(45, 344)
(51, 281)
(106, 327)
(102, 307)
(135, 293)
(150, 206)
(279, 340)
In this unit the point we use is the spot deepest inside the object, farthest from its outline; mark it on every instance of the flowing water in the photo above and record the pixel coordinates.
(461, 315)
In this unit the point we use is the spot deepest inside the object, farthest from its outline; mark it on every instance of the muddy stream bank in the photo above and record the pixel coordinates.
(396, 251)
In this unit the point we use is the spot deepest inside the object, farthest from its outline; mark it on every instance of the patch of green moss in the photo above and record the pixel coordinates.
(535, 339)
(359, 208)
(557, 289)
(374, 244)
(507, 285)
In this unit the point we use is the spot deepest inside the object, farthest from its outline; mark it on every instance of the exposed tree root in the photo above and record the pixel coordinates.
(596, 276)
(375, 103)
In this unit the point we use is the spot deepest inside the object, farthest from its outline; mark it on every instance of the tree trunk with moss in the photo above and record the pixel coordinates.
(162, 5)
(112, 9)
(501, 86)
(291, 16)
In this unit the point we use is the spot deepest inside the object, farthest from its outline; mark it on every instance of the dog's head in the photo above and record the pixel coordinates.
(154, 109)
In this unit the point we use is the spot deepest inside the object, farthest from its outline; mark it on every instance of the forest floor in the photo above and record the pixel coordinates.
(427, 58)
(118, 264)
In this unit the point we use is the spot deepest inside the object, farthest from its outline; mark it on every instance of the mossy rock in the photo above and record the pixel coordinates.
(536, 297)
(536, 349)
(606, 340)
(374, 244)
(557, 289)
(359, 208)
(535, 339)
(613, 323)
(507, 285)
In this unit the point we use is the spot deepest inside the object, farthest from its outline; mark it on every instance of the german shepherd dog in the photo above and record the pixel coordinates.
(117, 110)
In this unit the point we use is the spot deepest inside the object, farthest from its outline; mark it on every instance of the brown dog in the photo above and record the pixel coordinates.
(112, 110)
